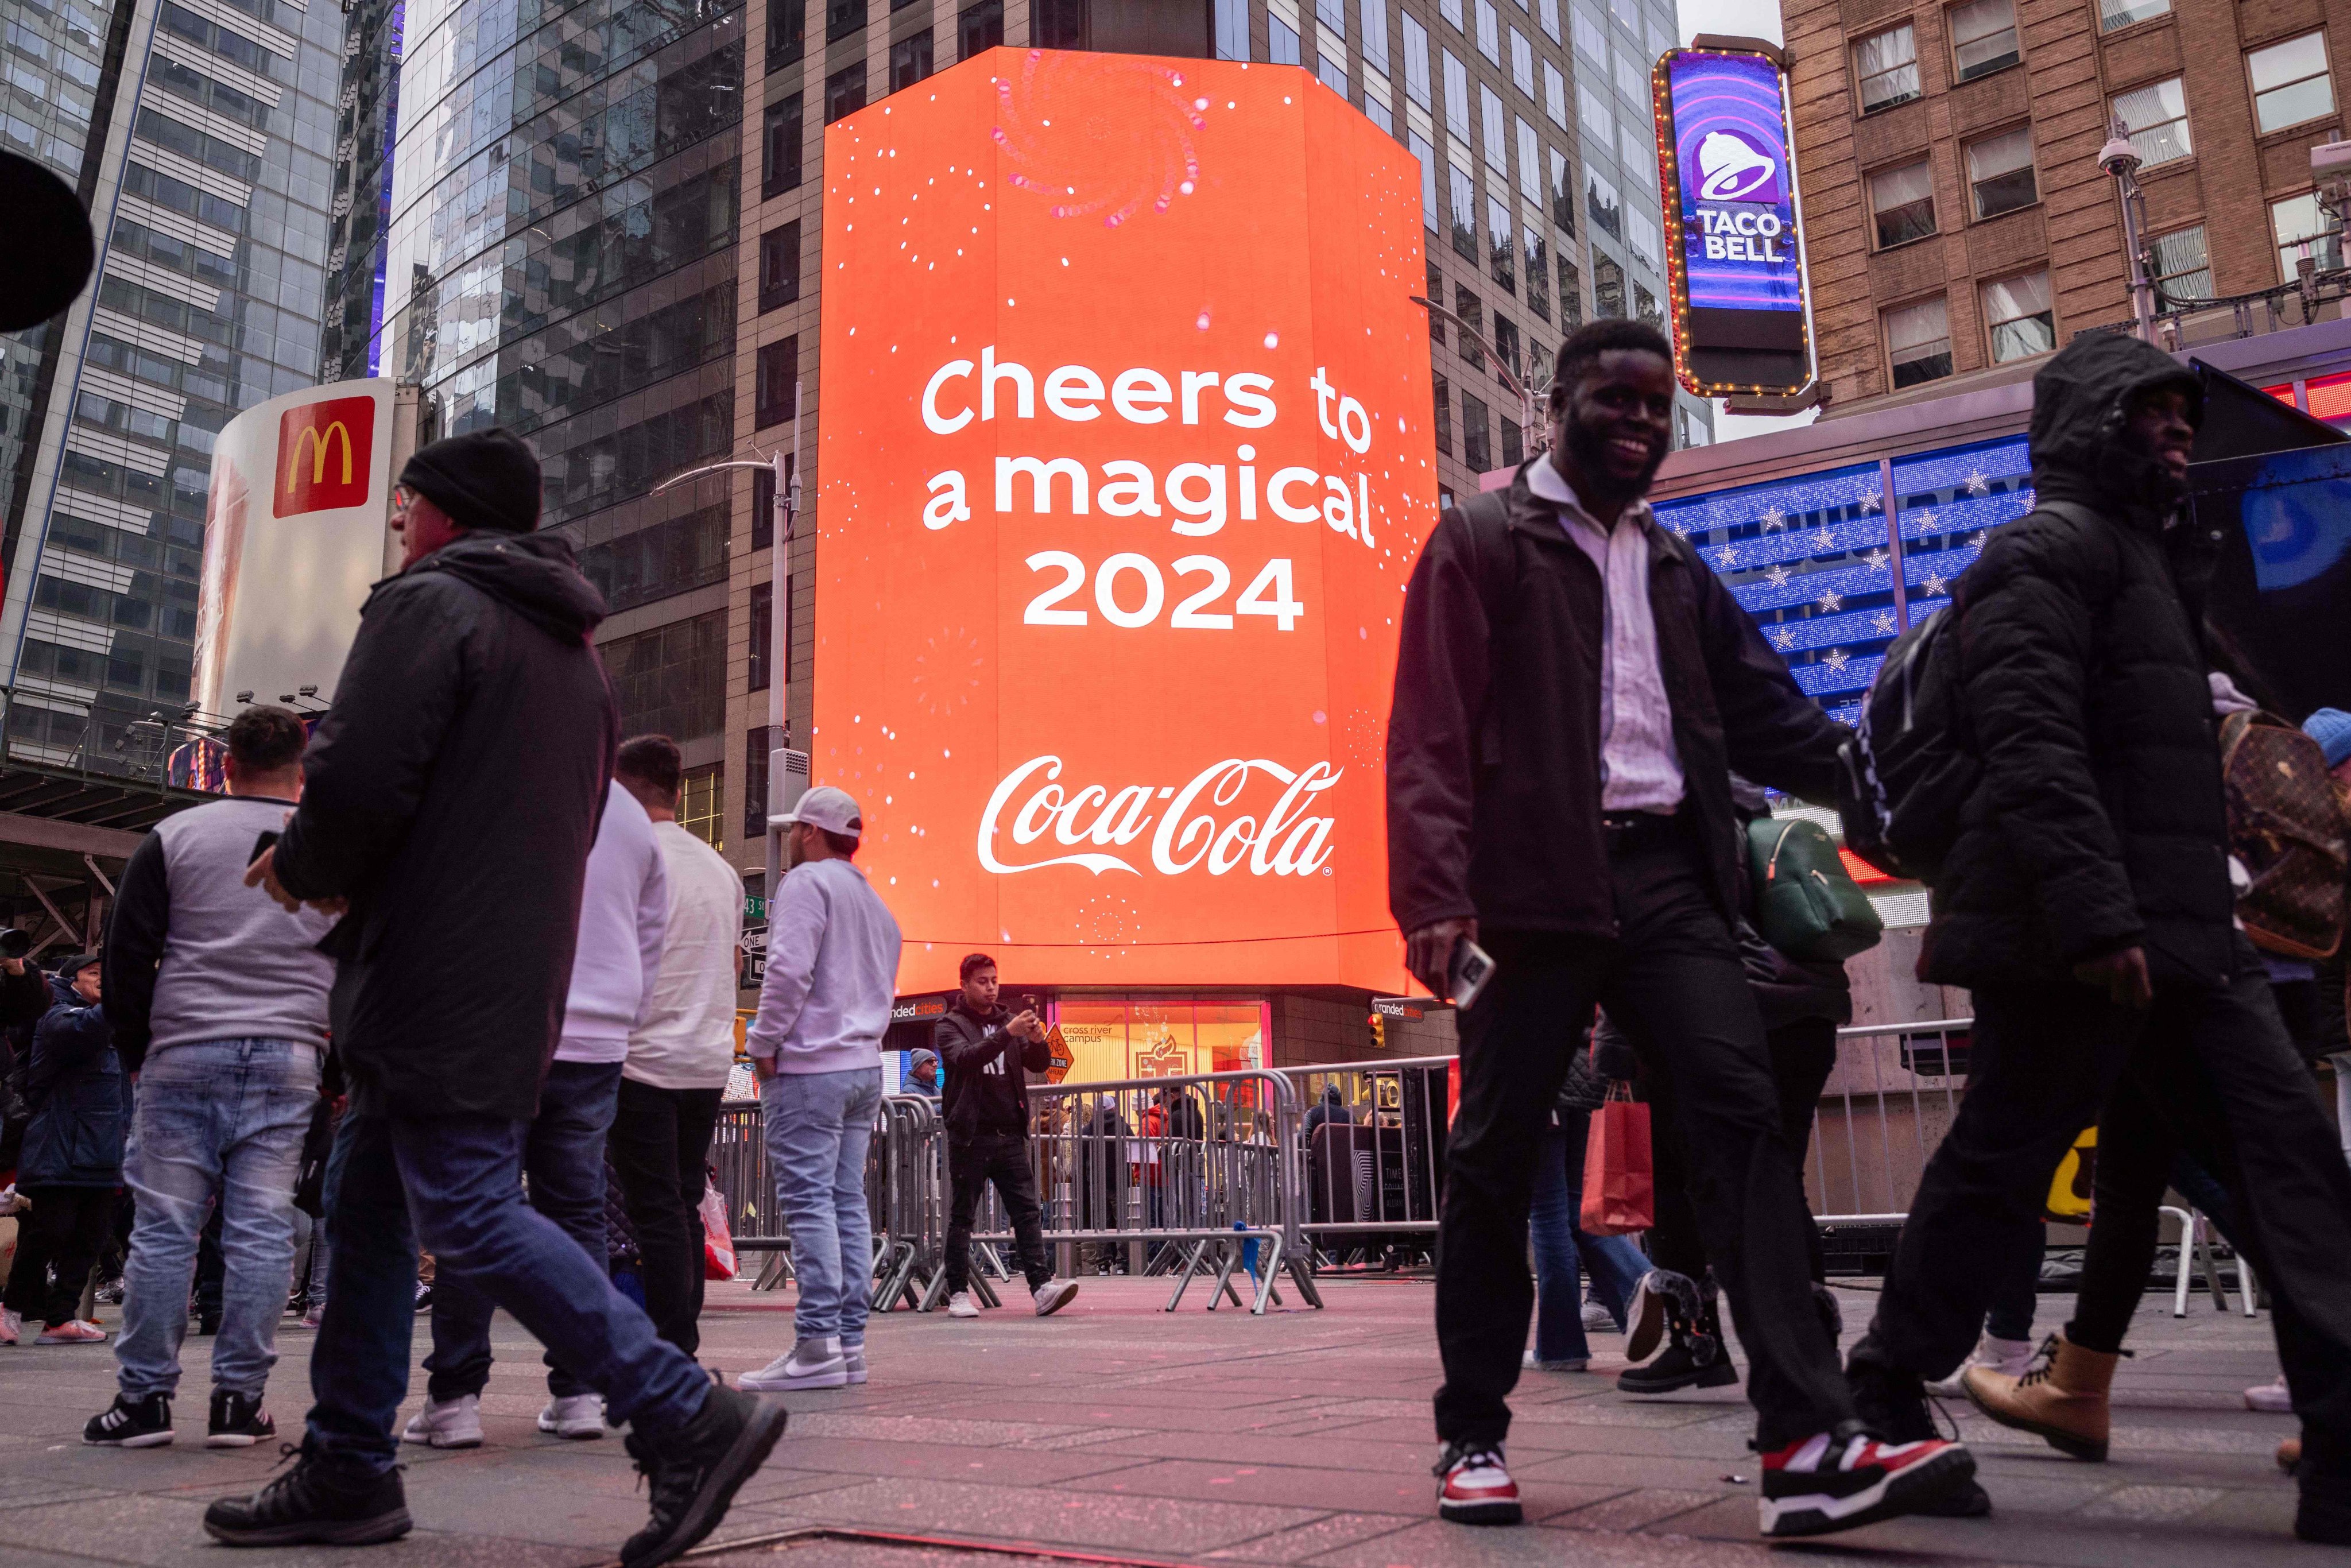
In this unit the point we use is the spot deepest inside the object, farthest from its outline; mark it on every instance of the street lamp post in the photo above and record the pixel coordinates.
(788, 505)
(1530, 419)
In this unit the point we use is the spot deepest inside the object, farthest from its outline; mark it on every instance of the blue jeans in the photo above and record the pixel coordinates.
(1616, 1265)
(818, 1125)
(563, 1156)
(215, 1121)
(460, 1176)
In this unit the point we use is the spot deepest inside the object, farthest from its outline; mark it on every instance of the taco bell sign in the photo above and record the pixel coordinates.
(1736, 269)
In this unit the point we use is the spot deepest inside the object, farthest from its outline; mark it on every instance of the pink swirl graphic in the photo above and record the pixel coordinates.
(1051, 122)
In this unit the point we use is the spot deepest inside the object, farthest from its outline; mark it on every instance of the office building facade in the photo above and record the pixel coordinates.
(1958, 221)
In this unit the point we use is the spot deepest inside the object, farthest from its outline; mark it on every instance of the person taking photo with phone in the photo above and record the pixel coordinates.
(1574, 687)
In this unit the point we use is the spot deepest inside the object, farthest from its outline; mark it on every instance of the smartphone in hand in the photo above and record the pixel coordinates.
(262, 845)
(1472, 967)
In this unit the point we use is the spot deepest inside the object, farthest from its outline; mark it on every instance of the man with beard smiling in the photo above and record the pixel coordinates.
(1574, 687)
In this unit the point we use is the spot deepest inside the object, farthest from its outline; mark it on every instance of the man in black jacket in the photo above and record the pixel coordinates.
(2087, 904)
(986, 1108)
(1572, 688)
(451, 797)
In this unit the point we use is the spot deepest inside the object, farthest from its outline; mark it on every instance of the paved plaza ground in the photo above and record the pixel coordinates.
(1119, 1431)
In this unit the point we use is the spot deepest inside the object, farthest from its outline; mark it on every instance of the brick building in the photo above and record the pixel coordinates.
(1957, 221)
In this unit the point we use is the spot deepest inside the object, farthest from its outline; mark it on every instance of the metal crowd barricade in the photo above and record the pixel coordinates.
(1886, 1105)
(1372, 1149)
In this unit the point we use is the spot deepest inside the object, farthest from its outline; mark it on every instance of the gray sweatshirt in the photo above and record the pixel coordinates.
(832, 973)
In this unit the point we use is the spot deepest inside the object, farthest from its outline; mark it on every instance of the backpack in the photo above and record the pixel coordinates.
(2286, 826)
(1806, 904)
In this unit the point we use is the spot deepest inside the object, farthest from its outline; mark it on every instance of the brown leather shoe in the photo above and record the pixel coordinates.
(2061, 1396)
(2288, 1454)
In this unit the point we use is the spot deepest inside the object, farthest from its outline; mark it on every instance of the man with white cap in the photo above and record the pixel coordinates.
(816, 1045)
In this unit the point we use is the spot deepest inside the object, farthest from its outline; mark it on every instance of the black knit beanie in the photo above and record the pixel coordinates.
(482, 479)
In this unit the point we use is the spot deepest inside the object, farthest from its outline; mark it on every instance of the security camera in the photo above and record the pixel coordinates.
(2118, 157)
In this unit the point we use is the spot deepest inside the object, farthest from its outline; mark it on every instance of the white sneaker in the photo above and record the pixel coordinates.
(1564, 1363)
(1598, 1319)
(2270, 1397)
(961, 1305)
(76, 1331)
(1053, 1295)
(455, 1425)
(811, 1363)
(855, 1355)
(577, 1415)
(2008, 1357)
(12, 1326)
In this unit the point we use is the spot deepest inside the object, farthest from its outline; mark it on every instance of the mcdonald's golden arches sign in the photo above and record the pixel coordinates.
(323, 453)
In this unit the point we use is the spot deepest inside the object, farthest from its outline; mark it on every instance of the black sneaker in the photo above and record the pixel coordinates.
(694, 1471)
(314, 1501)
(1848, 1477)
(238, 1421)
(208, 1324)
(1891, 1403)
(132, 1424)
(1692, 1361)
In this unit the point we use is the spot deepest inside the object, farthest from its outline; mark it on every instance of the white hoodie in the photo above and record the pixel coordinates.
(623, 919)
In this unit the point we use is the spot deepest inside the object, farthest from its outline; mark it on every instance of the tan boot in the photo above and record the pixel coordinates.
(2061, 1396)
(2288, 1454)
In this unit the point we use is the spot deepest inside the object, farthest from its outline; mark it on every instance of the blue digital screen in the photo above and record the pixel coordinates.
(1736, 193)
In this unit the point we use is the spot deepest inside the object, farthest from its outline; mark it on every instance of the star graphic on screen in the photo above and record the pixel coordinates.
(1871, 498)
(1883, 623)
(1838, 659)
(1784, 638)
(1926, 521)
(1779, 576)
(1933, 585)
(1977, 541)
(1774, 519)
(1977, 484)
(1875, 559)
(2027, 497)
(1726, 556)
(1825, 539)
(1832, 600)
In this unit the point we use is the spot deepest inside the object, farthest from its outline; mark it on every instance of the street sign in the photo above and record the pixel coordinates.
(1411, 1009)
(754, 939)
(1062, 1059)
(754, 907)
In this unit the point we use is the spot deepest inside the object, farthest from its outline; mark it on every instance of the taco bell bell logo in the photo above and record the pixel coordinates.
(1732, 169)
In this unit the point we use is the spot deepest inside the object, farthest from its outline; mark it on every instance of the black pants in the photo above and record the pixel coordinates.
(660, 1149)
(1672, 982)
(1804, 1054)
(1001, 1158)
(64, 1232)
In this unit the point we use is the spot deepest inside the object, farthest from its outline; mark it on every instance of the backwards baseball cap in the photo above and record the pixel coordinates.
(827, 807)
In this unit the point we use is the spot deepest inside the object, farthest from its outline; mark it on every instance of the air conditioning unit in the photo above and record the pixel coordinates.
(787, 780)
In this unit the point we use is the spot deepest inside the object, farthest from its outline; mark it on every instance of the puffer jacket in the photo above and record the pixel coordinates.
(2099, 822)
(79, 1095)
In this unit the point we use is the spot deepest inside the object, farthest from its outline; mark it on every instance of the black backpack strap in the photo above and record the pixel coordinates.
(1486, 520)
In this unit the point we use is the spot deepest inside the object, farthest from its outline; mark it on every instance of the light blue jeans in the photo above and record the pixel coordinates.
(818, 1125)
(221, 1121)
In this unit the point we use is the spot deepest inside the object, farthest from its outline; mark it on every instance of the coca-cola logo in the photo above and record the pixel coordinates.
(1211, 822)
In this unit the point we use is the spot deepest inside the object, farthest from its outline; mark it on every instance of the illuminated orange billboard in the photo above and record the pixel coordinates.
(1126, 458)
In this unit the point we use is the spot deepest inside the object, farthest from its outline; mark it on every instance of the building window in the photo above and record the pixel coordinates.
(1644, 307)
(1554, 95)
(1490, 32)
(787, 33)
(1887, 65)
(1418, 146)
(763, 633)
(2290, 82)
(2017, 313)
(1497, 126)
(763, 501)
(1983, 38)
(1058, 24)
(1537, 256)
(671, 680)
(910, 60)
(1570, 295)
(1456, 97)
(2303, 229)
(2114, 14)
(1477, 435)
(780, 266)
(1452, 11)
(1444, 391)
(1280, 41)
(780, 142)
(1599, 122)
(1549, 11)
(1641, 235)
(1919, 343)
(1607, 289)
(1376, 111)
(2157, 116)
(2183, 267)
(755, 742)
(1435, 295)
(842, 17)
(1416, 61)
(779, 377)
(1563, 194)
(1591, 37)
(979, 27)
(1232, 29)
(1471, 341)
(1640, 159)
(844, 91)
(1506, 344)
(1464, 194)
(1522, 63)
(1502, 245)
(1530, 164)
(1514, 443)
(1330, 70)
(1999, 173)
(1374, 42)
(701, 800)
(1601, 205)
(1903, 202)
(1631, 79)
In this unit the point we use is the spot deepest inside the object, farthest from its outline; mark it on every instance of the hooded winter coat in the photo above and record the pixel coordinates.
(76, 1087)
(2099, 822)
(452, 795)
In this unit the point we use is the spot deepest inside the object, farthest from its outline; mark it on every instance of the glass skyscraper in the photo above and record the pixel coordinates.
(199, 134)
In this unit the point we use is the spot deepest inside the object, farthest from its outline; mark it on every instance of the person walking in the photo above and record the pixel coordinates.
(623, 918)
(2087, 904)
(1575, 820)
(816, 1046)
(989, 1051)
(450, 803)
(217, 999)
(680, 1054)
(1563, 1251)
(72, 1159)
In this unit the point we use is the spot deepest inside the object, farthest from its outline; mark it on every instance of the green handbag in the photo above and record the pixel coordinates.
(1806, 904)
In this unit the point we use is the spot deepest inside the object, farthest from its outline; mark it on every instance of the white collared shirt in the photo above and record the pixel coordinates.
(1639, 769)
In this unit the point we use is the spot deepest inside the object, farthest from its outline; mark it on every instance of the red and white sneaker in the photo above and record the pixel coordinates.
(1847, 1476)
(1473, 1487)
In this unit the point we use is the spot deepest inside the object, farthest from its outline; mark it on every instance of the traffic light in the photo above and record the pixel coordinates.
(1379, 1032)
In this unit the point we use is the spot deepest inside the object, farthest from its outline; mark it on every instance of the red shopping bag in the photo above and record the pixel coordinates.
(718, 1240)
(1620, 1189)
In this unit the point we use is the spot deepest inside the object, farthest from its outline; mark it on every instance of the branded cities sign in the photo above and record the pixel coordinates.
(1734, 264)
(1127, 457)
(294, 531)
